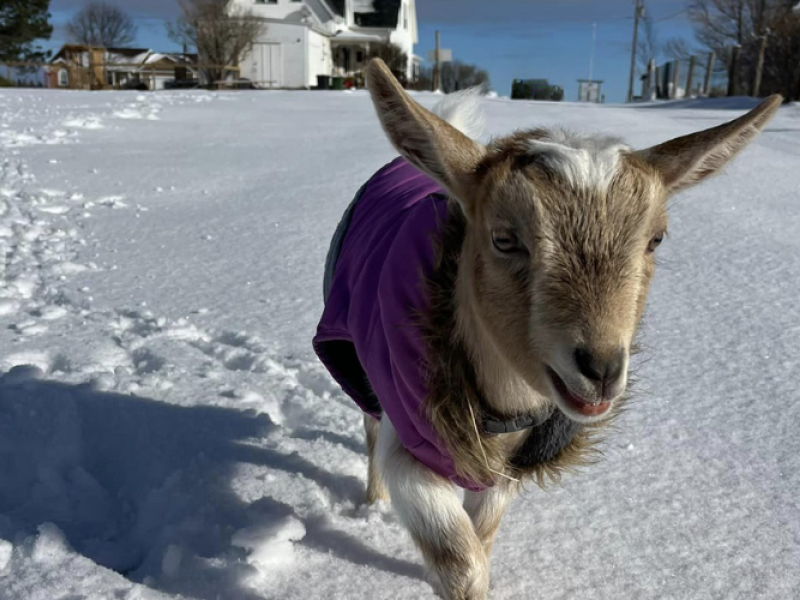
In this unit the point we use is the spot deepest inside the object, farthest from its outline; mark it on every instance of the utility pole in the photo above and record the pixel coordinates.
(762, 50)
(437, 66)
(709, 72)
(591, 55)
(636, 16)
(676, 78)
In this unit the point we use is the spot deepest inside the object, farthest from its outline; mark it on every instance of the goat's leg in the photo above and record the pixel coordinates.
(429, 507)
(375, 488)
(486, 509)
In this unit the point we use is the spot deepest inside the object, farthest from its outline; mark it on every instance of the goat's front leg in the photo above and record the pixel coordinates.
(429, 507)
(375, 489)
(486, 509)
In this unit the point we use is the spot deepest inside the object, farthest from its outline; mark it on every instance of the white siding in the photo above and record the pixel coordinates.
(319, 57)
(291, 40)
(404, 40)
(161, 80)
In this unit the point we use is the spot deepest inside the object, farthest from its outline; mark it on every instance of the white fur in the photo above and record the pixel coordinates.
(586, 161)
(486, 509)
(430, 508)
(463, 111)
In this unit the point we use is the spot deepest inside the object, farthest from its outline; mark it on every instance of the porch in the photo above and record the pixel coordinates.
(349, 52)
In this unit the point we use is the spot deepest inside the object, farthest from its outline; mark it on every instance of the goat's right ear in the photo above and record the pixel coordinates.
(432, 145)
(688, 160)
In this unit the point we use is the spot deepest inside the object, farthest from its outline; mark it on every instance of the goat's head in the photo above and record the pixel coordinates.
(560, 238)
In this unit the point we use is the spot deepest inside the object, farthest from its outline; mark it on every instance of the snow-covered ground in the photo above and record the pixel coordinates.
(166, 432)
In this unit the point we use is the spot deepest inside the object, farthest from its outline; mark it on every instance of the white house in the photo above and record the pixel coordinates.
(306, 38)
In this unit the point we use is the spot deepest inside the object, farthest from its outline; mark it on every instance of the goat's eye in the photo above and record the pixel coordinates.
(505, 241)
(655, 242)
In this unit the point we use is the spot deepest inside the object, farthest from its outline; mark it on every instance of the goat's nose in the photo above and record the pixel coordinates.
(603, 369)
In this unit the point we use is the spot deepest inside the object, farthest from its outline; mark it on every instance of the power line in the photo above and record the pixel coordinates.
(672, 16)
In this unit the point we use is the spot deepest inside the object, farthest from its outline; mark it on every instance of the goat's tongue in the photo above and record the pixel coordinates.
(587, 409)
(591, 410)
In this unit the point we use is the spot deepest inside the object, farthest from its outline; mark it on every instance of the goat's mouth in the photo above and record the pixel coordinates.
(584, 407)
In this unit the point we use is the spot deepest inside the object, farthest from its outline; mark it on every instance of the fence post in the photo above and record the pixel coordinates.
(733, 71)
(651, 81)
(690, 78)
(762, 50)
(676, 79)
(709, 72)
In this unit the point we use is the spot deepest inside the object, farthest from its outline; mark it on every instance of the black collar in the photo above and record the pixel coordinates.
(497, 427)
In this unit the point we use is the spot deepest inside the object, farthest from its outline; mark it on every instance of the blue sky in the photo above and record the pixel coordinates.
(548, 39)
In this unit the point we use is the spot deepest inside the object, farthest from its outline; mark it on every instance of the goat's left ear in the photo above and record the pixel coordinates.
(689, 160)
(425, 140)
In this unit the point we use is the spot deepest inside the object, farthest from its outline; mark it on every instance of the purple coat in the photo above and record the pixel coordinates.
(369, 337)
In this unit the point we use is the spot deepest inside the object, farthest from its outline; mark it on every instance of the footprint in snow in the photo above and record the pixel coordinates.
(50, 313)
(29, 328)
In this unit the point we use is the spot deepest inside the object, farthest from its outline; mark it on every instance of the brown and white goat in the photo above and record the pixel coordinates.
(540, 285)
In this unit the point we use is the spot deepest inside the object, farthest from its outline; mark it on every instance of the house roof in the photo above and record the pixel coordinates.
(384, 13)
(356, 36)
(130, 52)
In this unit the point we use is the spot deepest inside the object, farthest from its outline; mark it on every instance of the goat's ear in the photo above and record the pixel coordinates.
(426, 141)
(689, 160)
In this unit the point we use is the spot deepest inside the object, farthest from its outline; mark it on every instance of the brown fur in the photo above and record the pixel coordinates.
(453, 389)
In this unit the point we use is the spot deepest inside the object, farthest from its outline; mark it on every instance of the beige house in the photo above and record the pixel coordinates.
(79, 67)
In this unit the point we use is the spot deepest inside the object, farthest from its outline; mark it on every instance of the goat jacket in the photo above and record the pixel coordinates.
(370, 336)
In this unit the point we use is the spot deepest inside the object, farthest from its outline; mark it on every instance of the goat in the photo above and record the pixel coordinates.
(484, 301)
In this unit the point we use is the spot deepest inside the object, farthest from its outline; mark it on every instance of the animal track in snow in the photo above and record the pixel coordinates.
(84, 122)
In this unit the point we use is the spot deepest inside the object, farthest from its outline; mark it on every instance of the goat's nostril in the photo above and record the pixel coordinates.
(588, 365)
(601, 369)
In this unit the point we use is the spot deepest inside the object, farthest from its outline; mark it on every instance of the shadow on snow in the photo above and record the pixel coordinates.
(130, 480)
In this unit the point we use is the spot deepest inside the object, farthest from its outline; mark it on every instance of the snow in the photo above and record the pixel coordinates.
(165, 431)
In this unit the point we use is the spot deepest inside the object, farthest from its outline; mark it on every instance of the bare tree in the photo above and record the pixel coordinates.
(722, 25)
(102, 25)
(648, 47)
(221, 35)
(678, 49)
(454, 76)
(394, 57)
(457, 75)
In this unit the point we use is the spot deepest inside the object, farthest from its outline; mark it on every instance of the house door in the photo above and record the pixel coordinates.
(267, 65)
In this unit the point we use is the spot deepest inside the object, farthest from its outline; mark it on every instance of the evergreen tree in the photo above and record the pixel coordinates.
(22, 23)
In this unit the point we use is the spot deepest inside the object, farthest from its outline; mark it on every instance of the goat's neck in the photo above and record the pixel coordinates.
(504, 389)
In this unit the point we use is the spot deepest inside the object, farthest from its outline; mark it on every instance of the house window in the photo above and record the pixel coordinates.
(360, 56)
(266, 1)
(63, 78)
